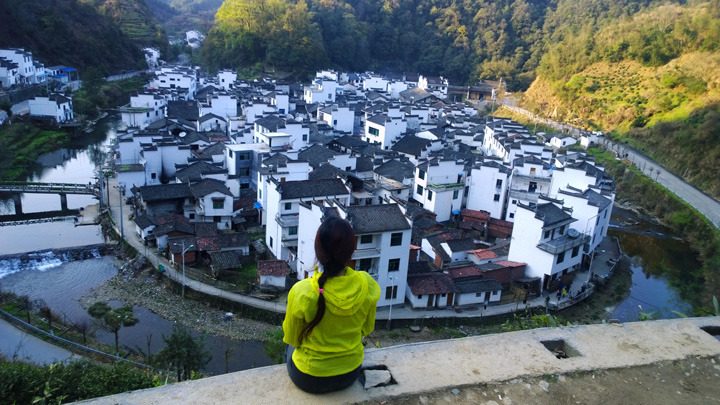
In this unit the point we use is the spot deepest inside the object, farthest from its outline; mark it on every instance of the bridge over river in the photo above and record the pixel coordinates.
(17, 188)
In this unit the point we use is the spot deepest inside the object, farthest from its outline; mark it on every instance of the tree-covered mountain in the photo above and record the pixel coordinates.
(179, 16)
(135, 20)
(463, 41)
(68, 32)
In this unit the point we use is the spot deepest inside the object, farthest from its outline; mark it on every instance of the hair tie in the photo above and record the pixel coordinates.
(321, 290)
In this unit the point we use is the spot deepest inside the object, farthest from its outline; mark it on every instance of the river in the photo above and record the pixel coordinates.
(60, 283)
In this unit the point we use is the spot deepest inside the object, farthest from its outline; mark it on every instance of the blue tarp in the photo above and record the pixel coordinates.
(68, 70)
(257, 205)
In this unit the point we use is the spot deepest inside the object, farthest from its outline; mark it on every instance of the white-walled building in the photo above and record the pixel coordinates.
(489, 182)
(384, 130)
(283, 205)
(223, 105)
(440, 187)
(212, 202)
(592, 208)
(383, 246)
(55, 106)
(178, 78)
(531, 178)
(434, 85)
(321, 90)
(282, 168)
(340, 118)
(226, 78)
(542, 238)
(144, 109)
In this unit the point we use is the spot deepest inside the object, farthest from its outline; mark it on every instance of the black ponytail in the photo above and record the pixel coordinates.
(334, 245)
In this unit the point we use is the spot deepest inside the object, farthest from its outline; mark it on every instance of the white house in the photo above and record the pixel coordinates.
(25, 64)
(282, 168)
(340, 118)
(383, 243)
(213, 202)
(283, 205)
(226, 78)
(55, 106)
(562, 141)
(440, 187)
(212, 122)
(592, 208)
(384, 130)
(489, 182)
(272, 273)
(9, 72)
(177, 78)
(152, 57)
(321, 90)
(223, 105)
(531, 178)
(434, 85)
(144, 109)
(542, 238)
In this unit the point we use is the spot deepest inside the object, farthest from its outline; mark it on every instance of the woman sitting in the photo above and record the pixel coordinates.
(328, 314)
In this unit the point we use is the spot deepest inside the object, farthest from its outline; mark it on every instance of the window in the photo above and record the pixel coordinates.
(259, 194)
(547, 235)
(575, 251)
(373, 131)
(305, 138)
(391, 292)
(456, 194)
(562, 230)
(494, 293)
(597, 221)
(348, 168)
(514, 202)
(191, 216)
(396, 239)
(364, 264)
(421, 174)
(153, 176)
(512, 215)
(393, 264)
(429, 195)
(498, 183)
(479, 295)
(561, 258)
(292, 230)
(420, 296)
(288, 206)
(244, 172)
(271, 241)
(419, 190)
(496, 197)
(334, 122)
(218, 204)
(365, 239)
(243, 156)
(216, 219)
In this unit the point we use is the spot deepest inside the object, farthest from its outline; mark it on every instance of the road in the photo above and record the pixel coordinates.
(705, 204)
(16, 344)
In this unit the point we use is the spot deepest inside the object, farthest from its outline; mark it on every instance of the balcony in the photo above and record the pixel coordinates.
(287, 221)
(524, 195)
(444, 187)
(365, 253)
(532, 177)
(562, 244)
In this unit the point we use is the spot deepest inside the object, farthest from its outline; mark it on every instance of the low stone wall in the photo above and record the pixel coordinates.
(434, 366)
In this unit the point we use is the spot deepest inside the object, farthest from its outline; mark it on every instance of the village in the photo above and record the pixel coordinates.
(451, 209)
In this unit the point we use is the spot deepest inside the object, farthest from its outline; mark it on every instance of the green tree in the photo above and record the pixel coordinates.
(182, 353)
(113, 319)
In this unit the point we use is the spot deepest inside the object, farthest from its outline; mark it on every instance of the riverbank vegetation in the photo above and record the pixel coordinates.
(22, 143)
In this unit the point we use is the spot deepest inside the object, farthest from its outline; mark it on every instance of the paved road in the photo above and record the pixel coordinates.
(15, 344)
(707, 205)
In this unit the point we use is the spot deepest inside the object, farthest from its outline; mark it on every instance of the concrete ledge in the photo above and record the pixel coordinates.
(432, 366)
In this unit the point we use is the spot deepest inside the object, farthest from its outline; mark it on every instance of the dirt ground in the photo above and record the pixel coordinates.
(690, 381)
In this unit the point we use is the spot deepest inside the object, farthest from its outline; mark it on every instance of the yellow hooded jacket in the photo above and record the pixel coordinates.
(334, 346)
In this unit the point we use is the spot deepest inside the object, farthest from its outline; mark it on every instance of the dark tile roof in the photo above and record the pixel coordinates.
(224, 261)
(234, 240)
(271, 122)
(311, 188)
(396, 170)
(379, 119)
(210, 116)
(412, 145)
(182, 227)
(551, 214)
(195, 171)
(207, 186)
(461, 245)
(364, 164)
(187, 110)
(144, 221)
(214, 149)
(420, 267)
(316, 155)
(274, 268)
(430, 283)
(162, 192)
(465, 272)
(205, 229)
(350, 142)
(376, 218)
(327, 171)
(424, 223)
(476, 286)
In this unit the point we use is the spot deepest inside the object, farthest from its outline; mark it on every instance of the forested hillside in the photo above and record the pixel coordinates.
(463, 41)
(67, 32)
(179, 16)
(136, 20)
